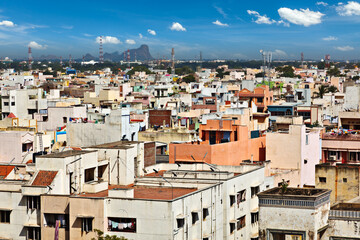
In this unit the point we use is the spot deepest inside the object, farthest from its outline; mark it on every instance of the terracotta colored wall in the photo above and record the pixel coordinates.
(232, 153)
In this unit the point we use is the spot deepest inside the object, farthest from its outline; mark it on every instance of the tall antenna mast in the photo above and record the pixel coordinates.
(30, 58)
(173, 61)
(101, 54)
(70, 60)
(201, 59)
(302, 60)
(61, 62)
(128, 57)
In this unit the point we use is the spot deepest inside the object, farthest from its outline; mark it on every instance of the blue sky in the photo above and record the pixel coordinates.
(230, 29)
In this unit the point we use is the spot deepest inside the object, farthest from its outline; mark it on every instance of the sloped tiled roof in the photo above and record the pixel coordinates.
(11, 115)
(44, 178)
(5, 170)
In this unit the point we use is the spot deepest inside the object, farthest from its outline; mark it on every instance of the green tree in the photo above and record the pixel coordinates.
(100, 236)
(333, 72)
(189, 78)
(139, 68)
(321, 91)
(221, 73)
(286, 71)
(332, 89)
(321, 65)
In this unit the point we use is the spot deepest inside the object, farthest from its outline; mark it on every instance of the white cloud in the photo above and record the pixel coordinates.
(35, 45)
(286, 24)
(303, 17)
(152, 32)
(130, 41)
(140, 36)
(217, 22)
(279, 53)
(322, 3)
(6, 23)
(108, 40)
(67, 27)
(344, 48)
(261, 19)
(349, 9)
(330, 38)
(221, 11)
(87, 35)
(177, 27)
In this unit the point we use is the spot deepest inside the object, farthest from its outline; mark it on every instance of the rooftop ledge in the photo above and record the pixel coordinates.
(294, 197)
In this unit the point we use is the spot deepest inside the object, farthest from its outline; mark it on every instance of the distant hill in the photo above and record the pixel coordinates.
(47, 57)
(142, 54)
(89, 57)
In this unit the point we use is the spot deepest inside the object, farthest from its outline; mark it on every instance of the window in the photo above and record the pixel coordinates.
(254, 191)
(241, 196)
(307, 140)
(86, 224)
(122, 225)
(33, 233)
(5, 216)
(254, 217)
(26, 147)
(6, 103)
(205, 213)
(64, 119)
(194, 217)
(180, 222)
(51, 219)
(305, 161)
(232, 228)
(33, 202)
(322, 179)
(232, 200)
(344, 179)
(241, 222)
(260, 100)
(89, 174)
(12, 103)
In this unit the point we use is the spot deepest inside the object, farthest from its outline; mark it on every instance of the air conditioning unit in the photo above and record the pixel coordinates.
(332, 158)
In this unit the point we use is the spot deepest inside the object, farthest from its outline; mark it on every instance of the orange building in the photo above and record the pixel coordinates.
(261, 96)
(224, 142)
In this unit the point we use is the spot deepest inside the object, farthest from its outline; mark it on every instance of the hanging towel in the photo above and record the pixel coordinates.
(114, 225)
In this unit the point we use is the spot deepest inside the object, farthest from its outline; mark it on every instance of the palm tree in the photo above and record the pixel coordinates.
(321, 91)
(332, 89)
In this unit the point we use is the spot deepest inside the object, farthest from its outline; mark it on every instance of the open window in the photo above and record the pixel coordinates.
(254, 191)
(205, 213)
(122, 224)
(180, 222)
(241, 196)
(232, 200)
(5, 216)
(50, 220)
(254, 217)
(87, 224)
(33, 202)
(33, 233)
(89, 174)
(241, 222)
(232, 227)
(194, 217)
